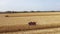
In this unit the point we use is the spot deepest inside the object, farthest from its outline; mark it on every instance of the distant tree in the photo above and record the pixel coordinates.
(52, 11)
(25, 11)
(38, 11)
(32, 11)
(11, 12)
(8, 11)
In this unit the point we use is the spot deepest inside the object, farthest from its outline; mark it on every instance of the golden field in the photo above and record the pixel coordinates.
(46, 23)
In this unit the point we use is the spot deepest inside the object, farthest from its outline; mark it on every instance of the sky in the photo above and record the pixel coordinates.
(29, 5)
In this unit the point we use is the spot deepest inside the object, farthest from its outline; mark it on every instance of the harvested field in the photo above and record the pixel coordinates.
(46, 23)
